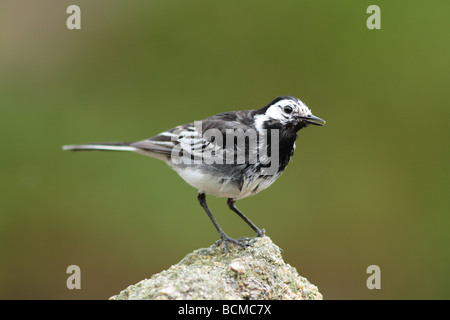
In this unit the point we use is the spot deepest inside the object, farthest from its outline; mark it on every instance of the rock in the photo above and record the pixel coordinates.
(257, 272)
(237, 266)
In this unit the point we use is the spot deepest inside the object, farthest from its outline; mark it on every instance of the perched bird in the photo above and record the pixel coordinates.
(233, 154)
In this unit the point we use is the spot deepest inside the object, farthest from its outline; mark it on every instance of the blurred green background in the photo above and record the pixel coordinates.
(371, 187)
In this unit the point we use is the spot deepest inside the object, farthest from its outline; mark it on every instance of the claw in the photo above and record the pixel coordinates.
(226, 239)
(261, 233)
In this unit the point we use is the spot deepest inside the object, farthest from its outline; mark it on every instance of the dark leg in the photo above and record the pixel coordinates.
(259, 233)
(223, 237)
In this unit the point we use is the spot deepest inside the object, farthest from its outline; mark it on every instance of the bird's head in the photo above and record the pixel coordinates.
(288, 112)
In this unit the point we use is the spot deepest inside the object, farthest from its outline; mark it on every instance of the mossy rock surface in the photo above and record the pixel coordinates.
(257, 272)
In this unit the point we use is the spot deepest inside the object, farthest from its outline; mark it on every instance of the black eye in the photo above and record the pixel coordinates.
(288, 109)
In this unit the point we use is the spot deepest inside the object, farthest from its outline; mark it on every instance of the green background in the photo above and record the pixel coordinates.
(371, 187)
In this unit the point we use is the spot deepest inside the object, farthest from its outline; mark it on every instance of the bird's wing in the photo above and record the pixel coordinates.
(162, 143)
(199, 139)
(186, 138)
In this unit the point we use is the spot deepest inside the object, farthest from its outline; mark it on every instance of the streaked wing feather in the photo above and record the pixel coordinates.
(187, 138)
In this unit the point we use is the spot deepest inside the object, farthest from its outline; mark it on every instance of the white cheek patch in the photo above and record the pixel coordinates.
(276, 112)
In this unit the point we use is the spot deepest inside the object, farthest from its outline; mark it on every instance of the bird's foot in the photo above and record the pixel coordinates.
(260, 233)
(226, 239)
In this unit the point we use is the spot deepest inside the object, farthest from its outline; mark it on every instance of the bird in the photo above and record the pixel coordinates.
(231, 155)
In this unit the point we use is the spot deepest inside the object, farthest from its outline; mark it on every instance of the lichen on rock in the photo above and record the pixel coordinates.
(257, 272)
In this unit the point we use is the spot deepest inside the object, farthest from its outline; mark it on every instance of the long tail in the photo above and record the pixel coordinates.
(102, 146)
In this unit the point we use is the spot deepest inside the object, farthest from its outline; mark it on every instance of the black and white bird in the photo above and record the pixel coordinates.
(233, 154)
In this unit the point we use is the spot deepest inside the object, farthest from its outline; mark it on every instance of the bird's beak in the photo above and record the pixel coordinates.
(313, 120)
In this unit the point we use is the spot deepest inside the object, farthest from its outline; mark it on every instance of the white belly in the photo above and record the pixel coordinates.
(225, 188)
